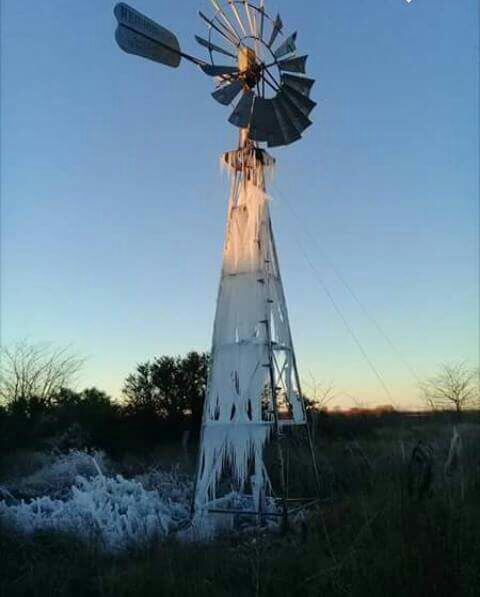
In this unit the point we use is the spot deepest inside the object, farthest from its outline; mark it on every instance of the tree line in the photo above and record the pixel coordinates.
(162, 399)
(39, 410)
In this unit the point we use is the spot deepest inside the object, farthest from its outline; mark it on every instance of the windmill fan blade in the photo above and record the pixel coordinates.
(261, 10)
(296, 116)
(277, 139)
(218, 71)
(289, 133)
(134, 43)
(236, 14)
(225, 95)
(212, 47)
(264, 123)
(137, 34)
(225, 20)
(277, 27)
(250, 19)
(243, 112)
(293, 65)
(301, 84)
(303, 103)
(226, 33)
(287, 47)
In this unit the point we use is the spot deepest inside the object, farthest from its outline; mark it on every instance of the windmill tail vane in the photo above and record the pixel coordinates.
(254, 400)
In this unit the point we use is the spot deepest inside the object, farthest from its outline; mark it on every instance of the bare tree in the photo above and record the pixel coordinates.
(36, 370)
(455, 386)
(320, 394)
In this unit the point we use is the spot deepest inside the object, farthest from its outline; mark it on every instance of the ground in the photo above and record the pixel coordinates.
(399, 515)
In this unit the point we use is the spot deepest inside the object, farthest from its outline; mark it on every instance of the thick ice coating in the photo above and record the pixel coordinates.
(252, 383)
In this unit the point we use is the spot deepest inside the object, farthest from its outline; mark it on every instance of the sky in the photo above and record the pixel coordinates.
(113, 203)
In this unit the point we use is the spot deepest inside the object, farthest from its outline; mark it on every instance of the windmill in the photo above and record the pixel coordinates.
(254, 398)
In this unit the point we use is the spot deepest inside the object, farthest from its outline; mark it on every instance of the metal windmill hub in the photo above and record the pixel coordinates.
(264, 80)
(250, 70)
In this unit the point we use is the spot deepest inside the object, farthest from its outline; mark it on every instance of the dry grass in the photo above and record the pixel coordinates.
(393, 524)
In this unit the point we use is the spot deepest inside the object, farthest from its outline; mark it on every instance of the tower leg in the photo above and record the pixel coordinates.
(297, 377)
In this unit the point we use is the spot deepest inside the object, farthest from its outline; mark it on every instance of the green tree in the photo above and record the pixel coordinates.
(92, 412)
(170, 388)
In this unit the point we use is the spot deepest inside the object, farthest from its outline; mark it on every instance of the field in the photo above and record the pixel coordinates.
(399, 515)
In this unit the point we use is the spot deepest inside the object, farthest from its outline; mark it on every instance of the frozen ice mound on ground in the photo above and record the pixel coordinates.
(117, 512)
(57, 474)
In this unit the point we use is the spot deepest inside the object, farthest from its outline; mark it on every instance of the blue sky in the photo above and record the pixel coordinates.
(113, 204)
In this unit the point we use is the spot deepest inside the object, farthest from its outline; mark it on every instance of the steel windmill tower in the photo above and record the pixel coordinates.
(254, 395)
